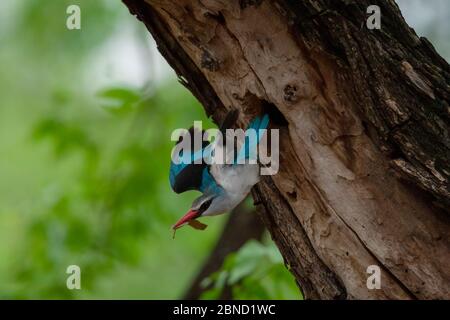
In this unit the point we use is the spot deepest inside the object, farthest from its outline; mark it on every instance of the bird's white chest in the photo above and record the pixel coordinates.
(236, 180)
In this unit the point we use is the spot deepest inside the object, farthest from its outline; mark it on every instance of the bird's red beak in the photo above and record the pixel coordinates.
(192, 214)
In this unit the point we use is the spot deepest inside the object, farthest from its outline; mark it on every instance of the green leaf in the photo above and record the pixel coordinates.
(120, 100)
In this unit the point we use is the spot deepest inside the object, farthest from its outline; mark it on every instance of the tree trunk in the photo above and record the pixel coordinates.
(364, 132)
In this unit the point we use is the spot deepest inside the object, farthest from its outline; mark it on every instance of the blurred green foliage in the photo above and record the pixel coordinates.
(84, 171)
(118, 196)
(256, 271)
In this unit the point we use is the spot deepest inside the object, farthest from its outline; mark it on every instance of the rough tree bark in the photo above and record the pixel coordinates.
(364, 118)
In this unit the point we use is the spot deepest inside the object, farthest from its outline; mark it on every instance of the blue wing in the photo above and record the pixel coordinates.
(185, 174)
(187, 169)
(249, 148)
(191, 176)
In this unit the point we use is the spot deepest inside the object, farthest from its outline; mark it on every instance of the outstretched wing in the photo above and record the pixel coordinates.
(185, 174)
(189, 171)
(249, 147)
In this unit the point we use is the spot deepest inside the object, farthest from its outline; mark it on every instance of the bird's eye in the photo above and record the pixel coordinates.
(205, 205)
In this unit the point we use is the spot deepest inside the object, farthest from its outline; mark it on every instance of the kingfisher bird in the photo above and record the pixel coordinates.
(223, 185)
